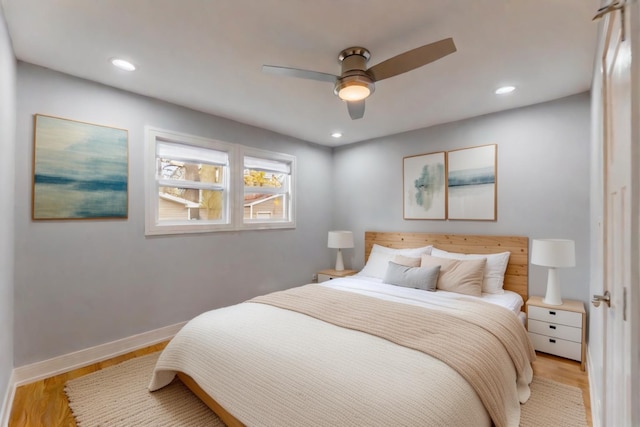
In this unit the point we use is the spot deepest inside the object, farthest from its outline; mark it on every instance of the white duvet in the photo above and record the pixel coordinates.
(273, 367)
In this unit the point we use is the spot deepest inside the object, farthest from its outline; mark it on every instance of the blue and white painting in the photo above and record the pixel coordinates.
(471, 183)
(80, 170)
(425, 186)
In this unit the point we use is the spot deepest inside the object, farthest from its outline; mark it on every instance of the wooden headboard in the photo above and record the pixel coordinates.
(516, 277)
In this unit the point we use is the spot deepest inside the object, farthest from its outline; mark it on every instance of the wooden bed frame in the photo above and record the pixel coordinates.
(515, 279)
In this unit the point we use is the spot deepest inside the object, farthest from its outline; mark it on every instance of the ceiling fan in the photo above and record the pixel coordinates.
(356, 82)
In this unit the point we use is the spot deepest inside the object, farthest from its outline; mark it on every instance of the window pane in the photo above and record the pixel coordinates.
(265, 207)
(181, 204)
(258, 178)
(189, 171)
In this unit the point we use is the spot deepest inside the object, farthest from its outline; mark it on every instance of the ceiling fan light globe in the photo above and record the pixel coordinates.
(354, 92)
(355, 86)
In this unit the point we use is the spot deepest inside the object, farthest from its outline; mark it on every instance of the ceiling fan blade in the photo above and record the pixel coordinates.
(296, 72)
(356, 109)
(412, 59)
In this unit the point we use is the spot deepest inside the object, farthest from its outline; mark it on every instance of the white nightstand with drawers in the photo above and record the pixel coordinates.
(558, 329)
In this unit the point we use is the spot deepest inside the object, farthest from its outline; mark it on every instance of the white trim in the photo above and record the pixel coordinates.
(68, 362)
(5, 409)
(596, 411)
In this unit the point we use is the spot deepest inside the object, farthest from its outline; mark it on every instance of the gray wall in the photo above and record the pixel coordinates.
(83, 283)
(7, 143)
(543, 182)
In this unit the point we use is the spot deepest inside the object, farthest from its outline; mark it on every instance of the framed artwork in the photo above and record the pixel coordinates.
(472, 182)
(80, 170)
(424, 182)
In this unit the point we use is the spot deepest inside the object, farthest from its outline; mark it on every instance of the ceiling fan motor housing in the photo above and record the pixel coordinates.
(354, 65)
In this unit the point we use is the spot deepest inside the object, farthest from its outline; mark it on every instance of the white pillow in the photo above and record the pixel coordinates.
(408, 252)
(493, 272)
(380, 256)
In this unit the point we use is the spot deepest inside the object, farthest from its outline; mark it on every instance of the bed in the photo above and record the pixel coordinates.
(358, 351)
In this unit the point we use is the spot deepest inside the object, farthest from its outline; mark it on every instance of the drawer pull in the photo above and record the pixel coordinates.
(551, 340)
(553, 313)
(552, 326)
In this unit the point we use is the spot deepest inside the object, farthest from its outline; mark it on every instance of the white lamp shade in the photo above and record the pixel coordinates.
(553, 253)
(340, 239)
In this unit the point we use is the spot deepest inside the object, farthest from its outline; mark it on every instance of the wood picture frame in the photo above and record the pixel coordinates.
(472, 180)
(424, 186)
(80, 170)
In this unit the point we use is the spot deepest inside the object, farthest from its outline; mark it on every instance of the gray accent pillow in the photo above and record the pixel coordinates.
(425, 278)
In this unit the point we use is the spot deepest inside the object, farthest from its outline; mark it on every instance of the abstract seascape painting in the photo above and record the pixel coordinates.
(425, 192)
(471, 182)
(80, 170)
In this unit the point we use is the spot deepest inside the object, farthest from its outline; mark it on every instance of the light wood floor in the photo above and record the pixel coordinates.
(43, 403)
(567, 372)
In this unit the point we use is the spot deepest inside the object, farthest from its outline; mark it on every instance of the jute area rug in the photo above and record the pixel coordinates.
(118, 397)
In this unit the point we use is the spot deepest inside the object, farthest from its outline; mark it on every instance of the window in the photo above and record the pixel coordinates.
(188, 184)
(197, 185)
(268, 182)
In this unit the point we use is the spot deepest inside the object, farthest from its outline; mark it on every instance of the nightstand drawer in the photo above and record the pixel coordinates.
(563, 348)
(325, 275)
(555, 330)
(324, 278)
(550, 315)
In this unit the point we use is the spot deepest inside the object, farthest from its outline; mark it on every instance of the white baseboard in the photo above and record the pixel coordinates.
(5, 409)
(68, 362)
(596, 410)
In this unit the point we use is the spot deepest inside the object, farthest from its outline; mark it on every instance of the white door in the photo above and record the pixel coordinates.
(621, 217)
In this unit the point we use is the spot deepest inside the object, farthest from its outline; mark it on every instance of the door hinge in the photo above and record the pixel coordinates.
(612, 7)
(624, 304)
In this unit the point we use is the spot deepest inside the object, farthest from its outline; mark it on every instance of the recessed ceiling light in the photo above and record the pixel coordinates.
(505, 89)
(122, 64)
(336, 135)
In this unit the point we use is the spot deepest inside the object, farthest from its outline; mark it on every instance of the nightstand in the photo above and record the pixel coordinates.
(558, 329)
(325, 275)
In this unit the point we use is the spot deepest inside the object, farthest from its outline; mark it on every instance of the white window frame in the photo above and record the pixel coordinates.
(273, 223)
(234, 200)
(152, 224)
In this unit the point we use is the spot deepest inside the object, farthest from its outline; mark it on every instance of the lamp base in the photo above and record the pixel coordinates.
(339, 262)
(552, 297)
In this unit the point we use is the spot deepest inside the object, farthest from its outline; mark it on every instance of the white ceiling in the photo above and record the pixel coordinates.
(207, 55)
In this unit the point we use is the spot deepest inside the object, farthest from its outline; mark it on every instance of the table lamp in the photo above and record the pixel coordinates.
(553, 253)
(340, 240)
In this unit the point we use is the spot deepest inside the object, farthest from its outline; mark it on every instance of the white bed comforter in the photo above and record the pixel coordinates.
(273, 367)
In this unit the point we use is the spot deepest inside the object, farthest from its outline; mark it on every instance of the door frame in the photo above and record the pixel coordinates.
(596, 316)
